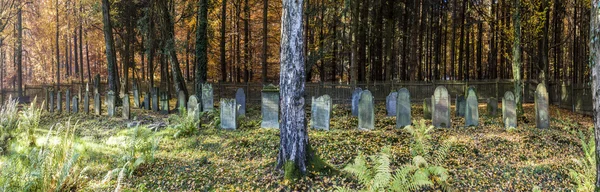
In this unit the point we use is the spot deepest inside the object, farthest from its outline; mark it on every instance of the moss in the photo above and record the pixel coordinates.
(291, 171)
(316, 164)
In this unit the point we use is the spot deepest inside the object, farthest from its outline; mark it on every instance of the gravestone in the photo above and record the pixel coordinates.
(403, 110)
(136, 96)
(228, 114)
(96, 83)
(97, 104)
(86, 99)
(542, 117)
(390, 104)
(509, 110)
(58, 102)
(427, 108)
(67, 101)
(126, 108)
(240, 99)
(355, 98)
(51, 104)
(492, 106)
(461, 104)
(164, 103)
(181, 101)
(75, 104)
(320, 112)
(207, 97)
(270, 107)
(147, 100)
(193, 107)
(110, 103)
(366, 111)
(440, 114)
(471, 109)
(155, 99)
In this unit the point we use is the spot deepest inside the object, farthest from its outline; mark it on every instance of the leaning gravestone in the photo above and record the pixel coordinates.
(471, 109)
(58, 102)
(509, 110)
(193, 107)
(67, 100)
(181, 101)
(228, 114)
(75, 104)
(355, 98)
(492, 106)
(366, 111)
(126, 108)
(542, 117)
(240, 99)
(97, 104)
(441, 107)
(427, 108)
(320, 112)
(164, 103)
(136, 96)
(403, 111)
(51, 104)
(461, 104)
(86, 99)
(390, 104)
(207, 97)
(155, 99)
(147, 101)
(270, 107)
(110, 103)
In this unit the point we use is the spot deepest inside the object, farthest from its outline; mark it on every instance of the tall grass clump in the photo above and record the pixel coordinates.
(52, 166)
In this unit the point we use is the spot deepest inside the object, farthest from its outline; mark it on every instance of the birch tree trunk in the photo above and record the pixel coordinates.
(293, 134)
(594, 61)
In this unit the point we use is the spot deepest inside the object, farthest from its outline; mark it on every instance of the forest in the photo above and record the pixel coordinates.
(299, 95)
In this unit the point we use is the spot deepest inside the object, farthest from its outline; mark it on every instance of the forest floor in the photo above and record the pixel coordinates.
(483, 158)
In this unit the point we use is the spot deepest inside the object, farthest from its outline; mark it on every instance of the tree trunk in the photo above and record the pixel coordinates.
(57, 50)
(201, 46)
(169, 32)
(80, 43)
(265, 37)
(595, 66)
(110, 44)
(19, 52)
(222, 42)
(516, 60)
(246, 41)
(293, 134)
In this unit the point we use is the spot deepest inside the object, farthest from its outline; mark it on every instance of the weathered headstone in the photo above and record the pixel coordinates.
(403, 110)
(155, 99)
(51, 104)
(461, 104)
(366, 111)
(75, 104)
(97, 104)
(164, 103)
(193, 107)
(270, 107)
(136, 96)
(86, 99)
(441, 107)
(228, 114)
(320, 112)
(509, 110)
(355, 98)
(181, 101)
(390, 103)
(492, 106)
(471, 109)
(110, 103)
(58, 102)
(126, 108)
(207, 97)
(542, 117)
(427, 108)
(147, 100)
(240, 99)
(67, 101)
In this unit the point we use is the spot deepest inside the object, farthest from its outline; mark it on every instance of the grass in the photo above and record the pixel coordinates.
(483, 158)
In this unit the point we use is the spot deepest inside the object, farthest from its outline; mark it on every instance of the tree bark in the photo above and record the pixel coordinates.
(516, 60)
(595, 66)
(110, 44)
(169, 31)
(57, 50)
(265, 38)
(222, 42)
(19, 52)
(201, 47)
(293, 134)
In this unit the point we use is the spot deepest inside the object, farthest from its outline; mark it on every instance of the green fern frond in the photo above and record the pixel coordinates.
(383, 172)
(360, 169)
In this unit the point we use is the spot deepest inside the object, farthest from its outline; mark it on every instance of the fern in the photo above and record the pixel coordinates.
(185, 124)
(584, 175)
